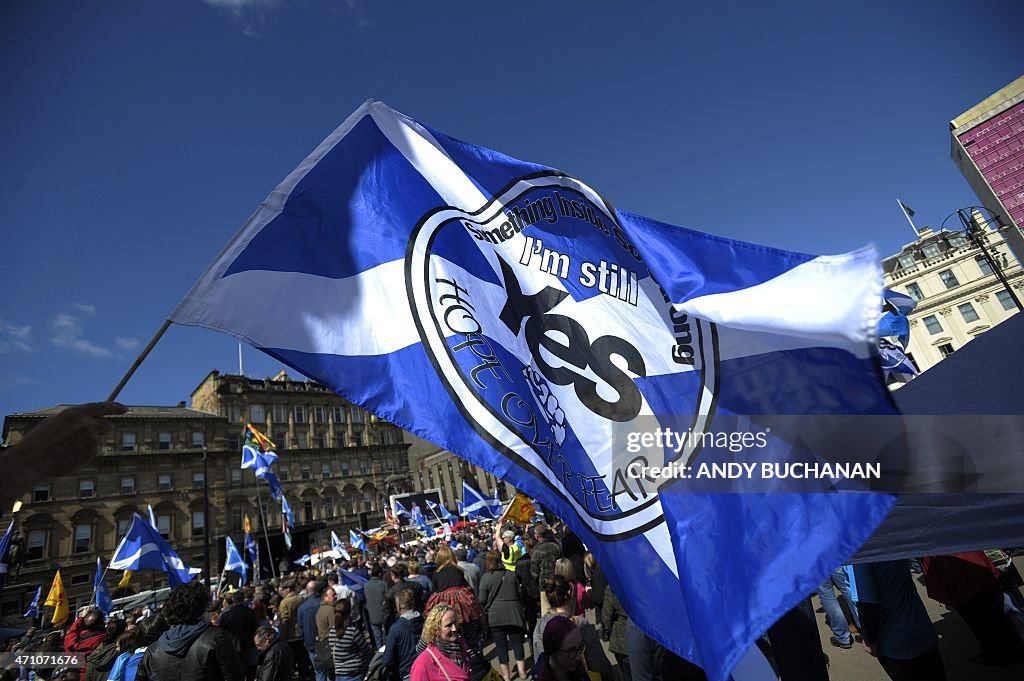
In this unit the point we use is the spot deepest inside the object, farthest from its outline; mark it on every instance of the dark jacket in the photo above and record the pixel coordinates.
(400, 648)
(101, 661)
(240, 622)
(614, 620)
(305, 616)
(598, 584)
(542, 560)
(191, 652)
(276, 663)
(448, 577)
(374, 591)
(499, 596)
(390, 614)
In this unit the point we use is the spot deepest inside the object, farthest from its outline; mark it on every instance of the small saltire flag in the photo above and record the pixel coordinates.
(528, 321)
(233, 559)
(256, 443)
(126, 579)
(250, 548)
(356, 540)
(265, 473)
(477, 505)
(58, 599)
(104, 601)
(445, 513)
(520, 509)
(5, 553)
(142, 548)
(33, 608)
(906, 209)
(152, 518)
(303, 560)
(400, 510)
(339, 547)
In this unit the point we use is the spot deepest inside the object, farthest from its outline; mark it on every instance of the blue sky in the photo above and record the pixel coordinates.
(137, 137)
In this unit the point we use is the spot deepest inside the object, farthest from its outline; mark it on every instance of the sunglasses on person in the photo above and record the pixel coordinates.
(573, 652)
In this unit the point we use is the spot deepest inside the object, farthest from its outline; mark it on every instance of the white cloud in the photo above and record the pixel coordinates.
(250, 15)
(85, 308)
(14, 338)
(126, 343)
(69, 335)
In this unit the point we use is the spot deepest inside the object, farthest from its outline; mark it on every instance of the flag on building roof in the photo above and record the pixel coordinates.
(99, 586)
(906, 209)
(338, 546)
(510, 314)
(232, 558)
(143, 548)
(356, 540)
(58, 600)
(32, 612)
(256, 443)
(477, 505)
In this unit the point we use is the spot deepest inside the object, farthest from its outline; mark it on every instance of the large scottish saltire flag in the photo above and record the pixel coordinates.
(509, 313)
(142, 548)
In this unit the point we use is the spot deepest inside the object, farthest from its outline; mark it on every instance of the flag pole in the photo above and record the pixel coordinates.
(903, 208)
(266, 537)
(138, 361)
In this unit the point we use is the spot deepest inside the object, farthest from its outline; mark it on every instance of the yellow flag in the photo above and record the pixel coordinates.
(126, 578)
(58, 598)
(248, 525)
(520, 510)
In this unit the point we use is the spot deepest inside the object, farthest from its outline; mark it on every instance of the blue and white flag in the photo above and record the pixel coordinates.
(477, 505)
(232, 558)
(303, 560)
(400, 510)
(460, 508)
(356, 540)
(104, 601)
(265, 473)
(351, 579)
(339, 547)
(144, 549)
(445, 513)
(510, 314)
(5, 553)
(152, 518)
(33, 608)
(251, 549)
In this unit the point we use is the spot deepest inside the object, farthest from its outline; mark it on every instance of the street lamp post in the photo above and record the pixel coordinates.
(206, 515)
(971, 231)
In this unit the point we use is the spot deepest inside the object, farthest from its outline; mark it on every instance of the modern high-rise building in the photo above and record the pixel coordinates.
(988, 148)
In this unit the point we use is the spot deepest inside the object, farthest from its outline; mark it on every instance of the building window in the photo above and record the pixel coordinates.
(163, 441)
(301, 439)
(364, 467)
(86, 489)
(949, 279)
(1006, 300)
(967, 312)
(914, 291)
(357, 438)
(236, 476)
(198, 439)
(325, 470)
(930, 250)
(305, 472)
(122, 527)
(283, 474)
(367, 500)
(946, 349)
(163, 525)
(321, 440)
(35, 547)
(307, 511)
(234, 413)
(127, 486)
(279, 412)
(127, 442)
(957, 240)
(345, 468)
(83, 537)
(300, 413)
(41, 493)
(329, 506)
(198, 479)
(234, 443)
(257, 413)
(198, 523)
(319, 414)
(906, 261)
(163, 482)
(236, 520)
(339, 415)
(931, 322)
(984, 264)
(357, 415)
(78, 580)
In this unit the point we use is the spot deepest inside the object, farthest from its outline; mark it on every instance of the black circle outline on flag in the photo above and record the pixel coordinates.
(417, 268)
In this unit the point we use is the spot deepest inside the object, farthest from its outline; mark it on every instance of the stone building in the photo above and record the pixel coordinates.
(338, 465)
(957, 291)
